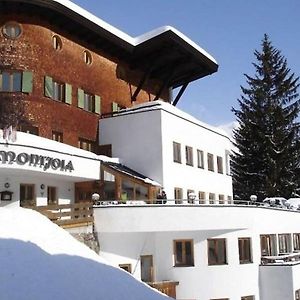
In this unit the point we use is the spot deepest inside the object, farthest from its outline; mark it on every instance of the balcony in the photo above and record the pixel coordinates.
(286, 259)
(68, 215)
(166, 287)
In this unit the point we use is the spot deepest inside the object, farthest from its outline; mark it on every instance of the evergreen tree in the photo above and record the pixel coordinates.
(266, 159)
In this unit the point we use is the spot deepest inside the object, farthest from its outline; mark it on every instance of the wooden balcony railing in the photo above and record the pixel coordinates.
(166, 287)
(68, 215)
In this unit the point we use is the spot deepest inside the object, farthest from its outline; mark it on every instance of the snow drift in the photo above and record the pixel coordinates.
(39, 260)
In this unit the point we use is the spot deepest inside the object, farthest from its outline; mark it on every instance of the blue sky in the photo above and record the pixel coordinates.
(230, 30)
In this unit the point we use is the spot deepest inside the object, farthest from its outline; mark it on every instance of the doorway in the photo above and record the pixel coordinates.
(147, 268)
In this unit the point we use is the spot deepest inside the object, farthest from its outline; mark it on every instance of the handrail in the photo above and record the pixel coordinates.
(281, 259)
(67, 214)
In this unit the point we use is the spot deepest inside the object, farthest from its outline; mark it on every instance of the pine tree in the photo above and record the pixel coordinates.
(266, 159)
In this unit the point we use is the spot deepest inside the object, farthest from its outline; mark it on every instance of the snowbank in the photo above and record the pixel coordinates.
(39, 260)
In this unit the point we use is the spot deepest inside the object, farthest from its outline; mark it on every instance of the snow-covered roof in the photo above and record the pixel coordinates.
(134, 41)
(167, 107)
(130, 172)
(162, 48)
(34, 141)
(40, 260)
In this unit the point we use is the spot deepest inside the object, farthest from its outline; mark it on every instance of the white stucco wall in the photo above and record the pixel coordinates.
(276, 282)
(126, 233)
(143, 140)
(26, 161)
(65, 189)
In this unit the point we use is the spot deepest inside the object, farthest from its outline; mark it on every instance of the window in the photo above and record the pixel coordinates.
(183, 253)
(216, 251)
(29, 129)
(221, 199)
(202, 197)
(189, 156)
(245, 252)
(268, 244)
(52, 195)
(85, 144)
(15, 81)
(227, 162)
(178, 195)
(210, 162)
(89, 102)
(87, 57)
(229, 200)
(57, 90)
(176, 152)
(126, 267)
(296, 241)
(56, 42)
(284, 243)
(27, 195)
(220, 164)
(212, 198)
(200, 159)
(297, 295)
(57, 136)
(12, 30)
(248, 298)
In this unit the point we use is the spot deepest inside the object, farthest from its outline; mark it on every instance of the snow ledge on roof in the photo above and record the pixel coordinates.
(127, 38)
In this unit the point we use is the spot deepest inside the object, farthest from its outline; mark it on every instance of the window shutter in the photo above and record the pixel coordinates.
(27, 82)
(48, 86)
(80, 98)
(97, 104)
(68, 93)
(114, 106)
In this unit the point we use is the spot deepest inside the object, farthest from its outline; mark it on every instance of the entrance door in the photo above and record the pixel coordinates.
(27, 195)
(147, 268)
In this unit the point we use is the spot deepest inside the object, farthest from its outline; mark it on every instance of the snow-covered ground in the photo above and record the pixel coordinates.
(39, 260)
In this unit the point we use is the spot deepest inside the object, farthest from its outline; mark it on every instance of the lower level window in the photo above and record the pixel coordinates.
(297, 295)
(268, 245)
(126, 267)
(216, 251)
(296, 241)
(248, 298)
(85, 145)
(245, 254)
(284, 241)
(29, 129)
(183, 253)
(178, 195)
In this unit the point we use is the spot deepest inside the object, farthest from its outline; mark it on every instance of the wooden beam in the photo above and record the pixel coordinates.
(180, 93)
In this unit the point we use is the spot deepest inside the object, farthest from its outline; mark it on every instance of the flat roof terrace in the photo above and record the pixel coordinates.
(138, 216)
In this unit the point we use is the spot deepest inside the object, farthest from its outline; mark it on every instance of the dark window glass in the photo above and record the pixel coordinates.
(183, 253)
(217, 251)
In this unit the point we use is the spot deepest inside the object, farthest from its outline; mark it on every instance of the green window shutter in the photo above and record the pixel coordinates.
(114, 106)
(97, 104)
(68, 93)
(48, 86)
(27, 82)
(80, 98)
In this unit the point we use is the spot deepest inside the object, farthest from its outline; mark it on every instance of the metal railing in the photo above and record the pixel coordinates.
(290, 258)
